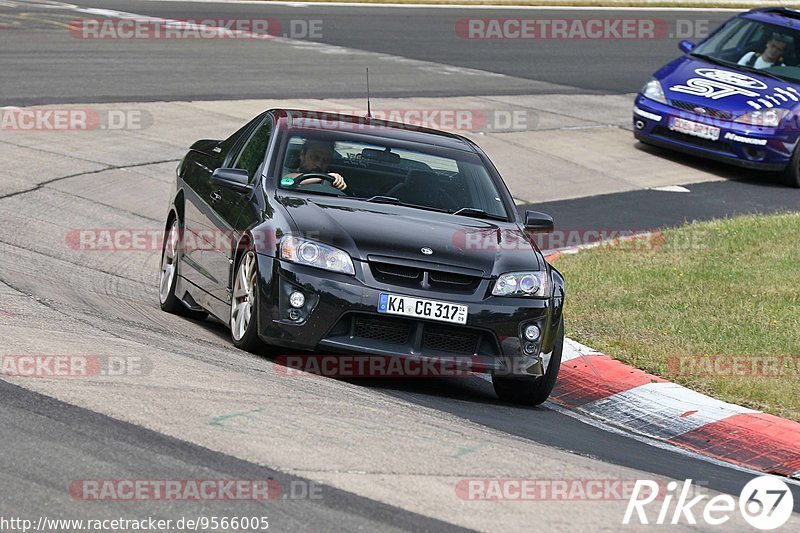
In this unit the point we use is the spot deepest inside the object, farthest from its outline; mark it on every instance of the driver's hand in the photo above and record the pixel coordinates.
(338, 181)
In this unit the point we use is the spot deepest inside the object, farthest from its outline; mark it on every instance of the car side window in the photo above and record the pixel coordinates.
(253, 153)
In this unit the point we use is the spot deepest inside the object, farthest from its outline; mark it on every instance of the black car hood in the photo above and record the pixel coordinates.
(370, 230)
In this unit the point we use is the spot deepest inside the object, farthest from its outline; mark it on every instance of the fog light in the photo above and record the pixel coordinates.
(756, 154)
(529, 348)
(294, 314)
(297, 299)
(532, 332)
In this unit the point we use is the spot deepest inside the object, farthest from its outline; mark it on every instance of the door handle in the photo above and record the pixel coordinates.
(215, 196)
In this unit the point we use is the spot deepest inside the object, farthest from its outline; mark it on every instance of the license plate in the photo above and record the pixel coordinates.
(704, 131)
(393, 304)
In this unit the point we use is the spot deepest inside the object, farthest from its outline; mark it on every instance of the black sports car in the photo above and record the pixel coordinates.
(350, 235)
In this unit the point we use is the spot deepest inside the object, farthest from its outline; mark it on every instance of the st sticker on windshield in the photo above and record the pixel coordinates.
(287, 182)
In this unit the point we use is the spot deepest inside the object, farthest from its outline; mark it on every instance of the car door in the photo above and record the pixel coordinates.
(228, 206)
(196, 178)
(200, 237)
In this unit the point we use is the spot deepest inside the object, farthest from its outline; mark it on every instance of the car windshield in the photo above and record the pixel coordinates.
(376, 170)
(755, 45)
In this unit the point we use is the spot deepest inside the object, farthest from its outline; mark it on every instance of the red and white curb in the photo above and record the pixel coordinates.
(629, 399)
(632, 400)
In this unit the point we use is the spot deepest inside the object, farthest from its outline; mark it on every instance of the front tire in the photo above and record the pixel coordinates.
(170, 270)
(791, 175)
(244, 305)
(532, 391)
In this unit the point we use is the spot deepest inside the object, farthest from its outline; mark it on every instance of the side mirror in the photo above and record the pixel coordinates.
(536, 221)
(686, 46)
(235, 179)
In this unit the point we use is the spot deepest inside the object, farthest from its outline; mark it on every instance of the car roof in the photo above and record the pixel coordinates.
(782, 16)
(309, 119)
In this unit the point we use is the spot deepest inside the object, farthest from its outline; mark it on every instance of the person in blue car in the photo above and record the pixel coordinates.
(733, 97)
(772, 55)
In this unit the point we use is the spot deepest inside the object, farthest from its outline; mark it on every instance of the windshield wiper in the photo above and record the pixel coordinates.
(712, 59)
(383, 200)
(396, 201)
(755, 70)
(729, 64)
(478, 213)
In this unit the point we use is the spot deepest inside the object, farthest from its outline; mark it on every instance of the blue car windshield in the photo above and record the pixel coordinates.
(753, 44)
(372, 168)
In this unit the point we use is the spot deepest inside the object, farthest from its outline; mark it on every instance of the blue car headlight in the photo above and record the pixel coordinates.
(653, 90)
(316, 254)
(767, 118)
(533, 284)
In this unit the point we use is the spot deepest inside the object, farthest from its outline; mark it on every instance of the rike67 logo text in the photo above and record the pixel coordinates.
(765, 503)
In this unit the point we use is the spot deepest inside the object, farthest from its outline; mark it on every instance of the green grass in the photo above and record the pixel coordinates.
(722, 288)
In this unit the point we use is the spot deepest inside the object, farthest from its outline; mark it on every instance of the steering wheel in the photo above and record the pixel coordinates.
(323, 176)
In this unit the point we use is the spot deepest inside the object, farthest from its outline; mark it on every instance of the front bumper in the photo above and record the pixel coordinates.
(340, 316)
(745, 146)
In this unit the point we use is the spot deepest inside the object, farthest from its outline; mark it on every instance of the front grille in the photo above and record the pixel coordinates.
(388, 270)
(408, 276)
(710, 112)
(718, 146)
(448, 278)
(375, 332)
(449, 340)
(383, 330)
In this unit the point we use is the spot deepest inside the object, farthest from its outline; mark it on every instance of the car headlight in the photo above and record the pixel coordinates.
(535, 284)
(768, 118)
(316, 254)
(652, 90)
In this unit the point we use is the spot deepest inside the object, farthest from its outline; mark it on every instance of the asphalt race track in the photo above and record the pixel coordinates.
(371, 455)
(90, 71)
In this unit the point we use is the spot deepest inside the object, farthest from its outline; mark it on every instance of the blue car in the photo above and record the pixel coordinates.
(734, 97)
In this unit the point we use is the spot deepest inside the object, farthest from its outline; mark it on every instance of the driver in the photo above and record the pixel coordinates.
(772, 55)
(315, 156)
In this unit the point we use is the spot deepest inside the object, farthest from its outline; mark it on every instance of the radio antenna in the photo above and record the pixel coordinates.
(369, 110)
